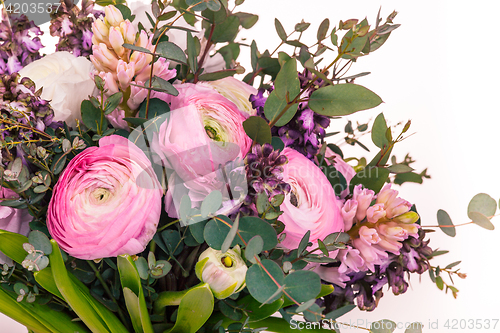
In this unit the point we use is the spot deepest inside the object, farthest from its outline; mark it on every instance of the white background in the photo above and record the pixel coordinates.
(440, 69)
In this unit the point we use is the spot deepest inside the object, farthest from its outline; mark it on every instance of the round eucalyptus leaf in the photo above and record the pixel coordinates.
(482, 203)
(40, 242)
(303, 285)
(211, 203)
(260, 282)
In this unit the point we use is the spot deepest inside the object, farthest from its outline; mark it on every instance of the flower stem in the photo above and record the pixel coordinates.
(106, 289)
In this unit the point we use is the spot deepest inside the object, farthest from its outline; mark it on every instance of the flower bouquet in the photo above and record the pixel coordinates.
(149, 186)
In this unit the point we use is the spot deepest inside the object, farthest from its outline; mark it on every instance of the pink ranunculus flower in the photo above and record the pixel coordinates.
(106, 202)
(202, 133)
(13, 220)
(311, 203)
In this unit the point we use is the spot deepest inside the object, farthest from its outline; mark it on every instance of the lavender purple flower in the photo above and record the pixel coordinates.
(18, 46)
(365, 287)
(306, 129)
(264, 167)
(73, 26)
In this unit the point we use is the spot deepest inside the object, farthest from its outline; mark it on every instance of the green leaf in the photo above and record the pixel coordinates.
(247, 20)
(173, 241)
(251, 226)
(214, 5)
(482, 203)
(136, 48)
(164, 86)
(323, 29)
(383, 326)
(257, 129)
(192, 58)
(11, 244)
(253, 248)
(303, 243)
(378, 131)
(260, 285)
(225, 31)
(91, 116)
(217, 75)
(112, 102)
(171, 51)
(279, 29)
(269, 66)
(414, 328)
(287, 84)
(342, 99)
(135, 121)
(194, 310)
(215, 232)
(274, 106)
(277, 143)
(453, 264)
(340, 311)
(126, 12)
(445, 220)
(211, 203)
(230, 235)
(253, 55)
(439, 282)
(372, 178)
(481, 220)
(408, 177)
(78, 302)
(157, 107)
(258, 311)
(40, 242)
(200, 5)
(134, 294)
(167, 16)
(303, 285)
(399, 168)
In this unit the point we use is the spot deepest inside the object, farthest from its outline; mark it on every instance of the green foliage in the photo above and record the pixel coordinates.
(261, 281)
(93, 117)
(379, 131)
(383, 326)
(481, 208)
(342, 99)
(372, 178)
(258, 130)
(445, 223)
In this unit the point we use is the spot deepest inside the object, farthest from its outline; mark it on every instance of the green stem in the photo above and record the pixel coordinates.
(106, 289)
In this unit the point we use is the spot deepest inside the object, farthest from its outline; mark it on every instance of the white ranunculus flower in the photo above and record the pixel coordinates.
(66, 83)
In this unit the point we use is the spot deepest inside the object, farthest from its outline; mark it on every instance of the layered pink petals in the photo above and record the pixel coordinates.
(107, 201)
(311, 203)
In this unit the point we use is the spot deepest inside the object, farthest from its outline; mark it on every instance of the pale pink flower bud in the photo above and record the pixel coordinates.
(375, 213)
(137, 96)
(369, 235)
(371, 254)
(398, 206)
(348, 213)
(104, 58)
(100, 31)
(351, 260)
(113, 16)
(109, 83)
(393, 231)
(144, 41)
(116, 40)
(142, 69)
(124, 73)
(116, 119)
(386, 195)
(128, 32)
(161, 69)
(364, 198)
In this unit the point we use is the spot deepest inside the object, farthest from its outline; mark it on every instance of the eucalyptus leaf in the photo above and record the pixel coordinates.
(171, 51)
(302, 285)
(211, 203)
(481, 220)
(383, 326)
(279, 29)
(445, 223)
(342, 99)
(482, 203)
(261, 285)
(379, 129)
(257, 129)
(414, 328)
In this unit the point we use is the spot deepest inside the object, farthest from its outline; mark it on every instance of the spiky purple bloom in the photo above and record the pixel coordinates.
(264, 167)
(307, 128)
(18, 42)
(73, 26)
(365, 288)
(23, 113)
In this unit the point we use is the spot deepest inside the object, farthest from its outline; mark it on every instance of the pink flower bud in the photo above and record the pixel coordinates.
(348, 213)
(141, 60)
(100, 31)
(124, 73)
(144, 41)
(372, 255)
(386, 195)
(104, 58)
(364, 198)
(116, 40)
(398, 206)
(351, 260)
(113, 16)
(128, 32)
(369, 235)
(137, 96)
(375, 213)
(109, 83)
